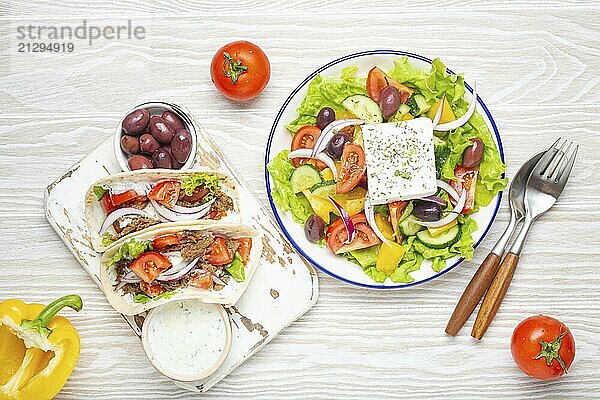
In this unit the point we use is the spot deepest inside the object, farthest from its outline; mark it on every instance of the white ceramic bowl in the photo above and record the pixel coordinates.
(183, 322)
(280, 139)
(157, 108)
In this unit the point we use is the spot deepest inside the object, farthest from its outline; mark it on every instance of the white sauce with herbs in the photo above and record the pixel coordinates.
(186, 338)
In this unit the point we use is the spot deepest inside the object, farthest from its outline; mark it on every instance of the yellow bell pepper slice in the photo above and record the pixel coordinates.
(447, 114)
(38, 350)
(384, 226)
(327, 174)
(407, 117)
(390, 255)
(441, 229)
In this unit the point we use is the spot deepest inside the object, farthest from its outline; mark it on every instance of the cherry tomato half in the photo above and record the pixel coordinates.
(240, 70)
(149, 265)
(111, 202)
(467, 178)
(353, 168)
(165, 192)
(305, 138)
(377, 80)
(336, 235)
(244, 249)
(543, 347)
(218, 253)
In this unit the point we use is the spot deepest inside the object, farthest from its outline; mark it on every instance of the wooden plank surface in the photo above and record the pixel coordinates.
(536, 66)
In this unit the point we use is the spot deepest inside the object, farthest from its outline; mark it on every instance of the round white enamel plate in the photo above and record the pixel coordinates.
(280, 139)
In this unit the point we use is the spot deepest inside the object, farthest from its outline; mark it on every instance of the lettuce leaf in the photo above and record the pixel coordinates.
(281, 170)
(130, 251)
(209, 181)
(364, 257)
(236, 268)
(327, 92)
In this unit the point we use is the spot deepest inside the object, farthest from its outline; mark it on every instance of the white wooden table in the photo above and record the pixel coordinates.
(536, 64)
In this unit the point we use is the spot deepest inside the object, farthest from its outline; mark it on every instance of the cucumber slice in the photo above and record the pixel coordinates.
(409, 227)
(322, 184)
(442, 241)
(422, 103)
(304, 177)
(363, 107)
(324, 191)
(403, 109)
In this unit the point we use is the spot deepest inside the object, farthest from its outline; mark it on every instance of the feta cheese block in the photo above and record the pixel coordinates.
(400, 160)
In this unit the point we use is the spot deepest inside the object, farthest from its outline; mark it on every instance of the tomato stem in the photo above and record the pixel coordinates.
(550, 351)
(233, 68)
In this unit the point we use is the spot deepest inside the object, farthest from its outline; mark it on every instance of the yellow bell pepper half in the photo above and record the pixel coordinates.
(447, 114)
(38, 350)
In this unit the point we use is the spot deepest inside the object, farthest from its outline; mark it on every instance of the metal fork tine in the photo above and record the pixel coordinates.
(553, 168)
(564, 174)
(541, 166)
(563, 157)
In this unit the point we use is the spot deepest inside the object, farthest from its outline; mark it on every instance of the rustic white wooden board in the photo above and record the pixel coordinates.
(536, 66)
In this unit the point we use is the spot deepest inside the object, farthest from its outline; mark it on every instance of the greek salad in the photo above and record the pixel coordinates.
(386, 171)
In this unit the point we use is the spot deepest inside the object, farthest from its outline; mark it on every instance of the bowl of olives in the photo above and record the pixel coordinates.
(155, 135)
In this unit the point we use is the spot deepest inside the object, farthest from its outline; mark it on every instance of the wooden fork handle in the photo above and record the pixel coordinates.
(495, 295)
(473, 293)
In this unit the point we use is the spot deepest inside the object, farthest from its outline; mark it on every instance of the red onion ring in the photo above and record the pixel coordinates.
(463, 119)
(171, 215)
(330, 130)
(370, 214)
(191, 210)
(174, 276)
(346, 219)
(118, 213)
(435, 199)
(307, 153)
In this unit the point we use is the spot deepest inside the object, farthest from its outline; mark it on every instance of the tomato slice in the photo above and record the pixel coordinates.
(467, 177)
(305, 138)
(164, 241)
(201, 280)
(218, 253)
(377, 80)
(149, 265)
(353, 168)
(121, 198)
(396, 208)
(216, 214)
(244, 249)
(107, 204)
(151, 290)
(165, 192)
(336, 235)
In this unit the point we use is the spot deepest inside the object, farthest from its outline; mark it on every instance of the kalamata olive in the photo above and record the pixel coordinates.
(427, 210)
(173, 120)
(335, 147)
(130, 144)
(162, 159)
(174, 163)
(161, 130)
(181, 146)
(325, 117)
(136, 121)
(473, 154)
(139, 162)
(148, 144)
(389, 101)
(314, 228)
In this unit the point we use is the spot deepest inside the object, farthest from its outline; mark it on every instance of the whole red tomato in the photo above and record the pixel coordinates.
(240, 70)
(543, 347)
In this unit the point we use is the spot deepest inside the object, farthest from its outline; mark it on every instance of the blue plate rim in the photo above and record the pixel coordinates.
(268, 182)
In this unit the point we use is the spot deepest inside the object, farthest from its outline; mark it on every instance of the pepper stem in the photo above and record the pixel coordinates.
(40, 322)
(550, 351)
(232, 68)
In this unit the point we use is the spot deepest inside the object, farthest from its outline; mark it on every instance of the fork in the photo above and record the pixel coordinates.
(544, 187)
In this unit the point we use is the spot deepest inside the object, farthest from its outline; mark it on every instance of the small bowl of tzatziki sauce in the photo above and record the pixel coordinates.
(187, 340)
